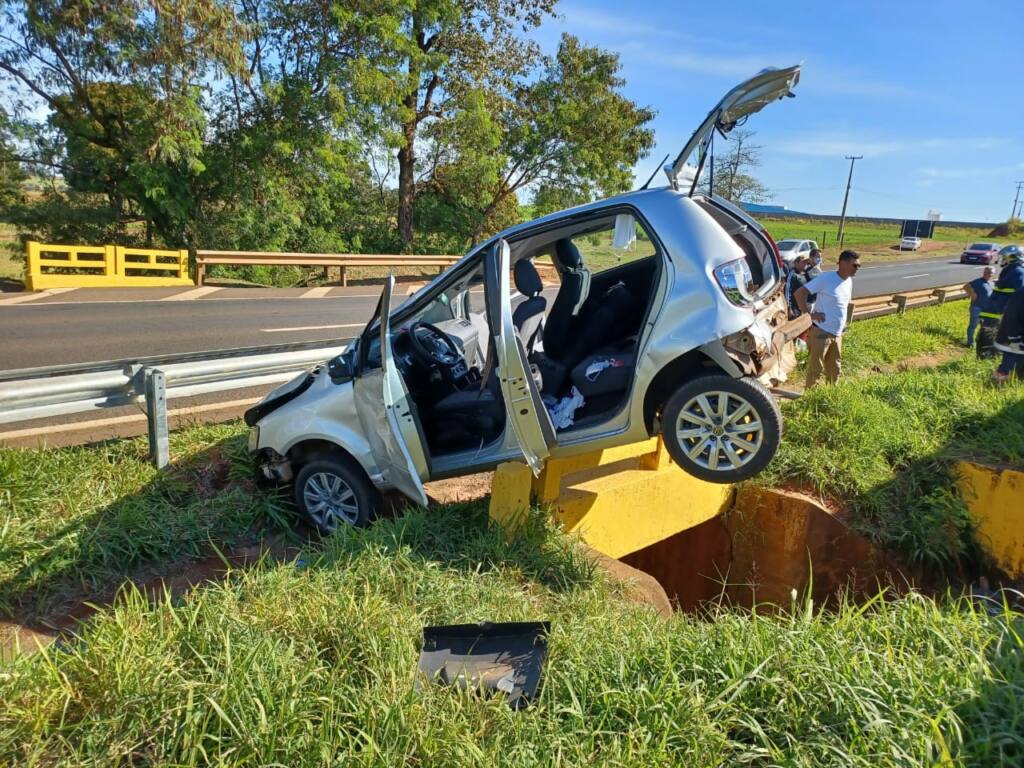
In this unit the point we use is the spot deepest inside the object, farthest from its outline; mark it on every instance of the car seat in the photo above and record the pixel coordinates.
(528, 316)
(571, 296)
(608, 321)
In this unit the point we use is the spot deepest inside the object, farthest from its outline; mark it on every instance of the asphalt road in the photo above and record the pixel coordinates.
(85, 326)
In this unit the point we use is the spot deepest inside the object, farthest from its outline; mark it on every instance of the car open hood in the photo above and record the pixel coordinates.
(745, 99)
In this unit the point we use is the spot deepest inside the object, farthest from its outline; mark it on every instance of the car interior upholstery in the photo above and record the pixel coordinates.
(587, 340)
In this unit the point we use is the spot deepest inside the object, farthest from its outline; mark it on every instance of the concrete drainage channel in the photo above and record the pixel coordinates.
(706, 543)
(766, 546)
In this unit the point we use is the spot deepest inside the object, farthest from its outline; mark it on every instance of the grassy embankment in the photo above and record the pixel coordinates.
(77, 520)
(875, 242)
(312, 661)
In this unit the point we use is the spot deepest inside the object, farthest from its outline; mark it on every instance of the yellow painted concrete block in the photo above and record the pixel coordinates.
(618, 500)
(547, 487)
(626, 511)
(510, 494)
(995, 498)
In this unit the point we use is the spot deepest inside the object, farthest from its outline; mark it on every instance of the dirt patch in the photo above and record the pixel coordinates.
(929, 360)
(31, 633)
(212, 476)
(456, 489)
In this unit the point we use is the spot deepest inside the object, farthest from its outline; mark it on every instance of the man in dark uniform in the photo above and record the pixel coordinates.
(1010, 282)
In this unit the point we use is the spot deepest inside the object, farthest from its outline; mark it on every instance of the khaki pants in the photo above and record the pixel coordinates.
(824, 352)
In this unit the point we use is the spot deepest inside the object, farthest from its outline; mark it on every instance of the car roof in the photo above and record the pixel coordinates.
(633, 198)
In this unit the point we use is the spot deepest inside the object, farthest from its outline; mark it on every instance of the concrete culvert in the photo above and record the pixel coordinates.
(767, 545)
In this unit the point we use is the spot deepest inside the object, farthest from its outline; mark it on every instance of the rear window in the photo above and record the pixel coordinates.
(981, 247)
(787, 245)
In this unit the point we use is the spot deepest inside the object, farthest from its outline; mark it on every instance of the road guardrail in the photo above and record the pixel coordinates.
(96, 266)
(342, 260)
(60, 394)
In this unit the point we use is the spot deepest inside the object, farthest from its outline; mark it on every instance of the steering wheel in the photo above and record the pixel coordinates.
(432, 346)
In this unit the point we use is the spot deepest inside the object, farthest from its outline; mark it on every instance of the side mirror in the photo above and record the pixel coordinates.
(342, 368)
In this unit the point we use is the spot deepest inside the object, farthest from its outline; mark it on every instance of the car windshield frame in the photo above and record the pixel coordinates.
(982, 247)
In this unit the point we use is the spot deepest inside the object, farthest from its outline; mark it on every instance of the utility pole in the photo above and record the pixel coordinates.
(846, 197)
(1013, 211)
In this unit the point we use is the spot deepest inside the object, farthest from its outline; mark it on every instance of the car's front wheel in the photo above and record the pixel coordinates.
(722, 429)
(332, 490)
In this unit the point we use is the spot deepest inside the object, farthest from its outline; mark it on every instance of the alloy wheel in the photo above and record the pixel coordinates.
(330, 500)
(719, 430)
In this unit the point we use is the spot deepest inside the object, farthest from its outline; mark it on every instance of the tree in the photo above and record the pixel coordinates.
(11, 172)
(123, 81)
(733, 178)
(572, 134)
(566, 136)
(428, 60)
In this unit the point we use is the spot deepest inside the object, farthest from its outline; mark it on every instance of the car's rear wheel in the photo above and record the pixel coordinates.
(332, 491)
(722, 429)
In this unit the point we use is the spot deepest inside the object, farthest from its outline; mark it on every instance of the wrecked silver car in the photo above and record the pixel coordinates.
(668, 319)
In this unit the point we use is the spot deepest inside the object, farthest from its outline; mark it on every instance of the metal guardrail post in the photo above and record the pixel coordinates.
(156, 416)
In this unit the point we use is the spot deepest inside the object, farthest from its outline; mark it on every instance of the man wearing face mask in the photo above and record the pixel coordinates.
(813, 265)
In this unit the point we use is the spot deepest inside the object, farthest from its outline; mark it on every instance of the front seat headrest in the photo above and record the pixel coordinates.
(568, 254)
(525, 276)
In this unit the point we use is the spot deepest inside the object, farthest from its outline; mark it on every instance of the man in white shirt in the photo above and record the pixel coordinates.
(828, 318)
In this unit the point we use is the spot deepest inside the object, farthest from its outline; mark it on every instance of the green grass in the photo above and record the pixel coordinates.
(893, 339)
(312, 663)
(825, 232)
(80, 520)
(883, 443)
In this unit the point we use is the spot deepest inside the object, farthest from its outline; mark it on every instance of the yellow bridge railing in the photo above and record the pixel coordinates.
(96, 266)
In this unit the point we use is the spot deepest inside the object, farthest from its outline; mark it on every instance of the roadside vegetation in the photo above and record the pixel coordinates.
(312, 661)
(882, 444)
(78, 521)
(922, 335)
(825, 231)
(884, 449)
(875, 242)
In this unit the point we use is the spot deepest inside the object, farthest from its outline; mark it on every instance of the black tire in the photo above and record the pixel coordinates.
(730, 458)
(353, 500)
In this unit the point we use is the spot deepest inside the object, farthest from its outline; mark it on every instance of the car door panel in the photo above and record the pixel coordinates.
(525, 409)
(388, 414)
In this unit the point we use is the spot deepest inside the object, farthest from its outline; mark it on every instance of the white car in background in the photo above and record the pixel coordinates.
(789, 250)
(910, 243)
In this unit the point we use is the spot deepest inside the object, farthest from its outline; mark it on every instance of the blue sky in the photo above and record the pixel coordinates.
(931, 93)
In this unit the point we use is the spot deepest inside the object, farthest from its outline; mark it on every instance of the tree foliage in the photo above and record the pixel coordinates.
(734, 179)
(320, 125)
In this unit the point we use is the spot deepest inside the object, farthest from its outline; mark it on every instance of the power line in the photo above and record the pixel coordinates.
(846, 197)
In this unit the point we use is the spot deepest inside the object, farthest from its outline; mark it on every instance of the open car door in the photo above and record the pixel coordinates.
(526, 412)
(387, 414)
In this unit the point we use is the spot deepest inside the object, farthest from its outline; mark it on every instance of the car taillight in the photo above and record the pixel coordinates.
(735, 280)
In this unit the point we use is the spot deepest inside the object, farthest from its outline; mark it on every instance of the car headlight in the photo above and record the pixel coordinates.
(254, 439)
(735, 280)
